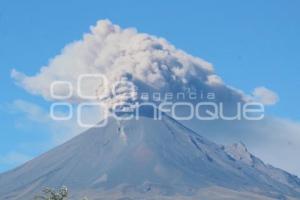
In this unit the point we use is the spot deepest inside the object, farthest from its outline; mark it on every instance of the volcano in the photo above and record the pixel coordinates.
(149, 159)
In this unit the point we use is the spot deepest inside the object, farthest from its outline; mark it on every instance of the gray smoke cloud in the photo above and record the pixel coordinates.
(150, 62)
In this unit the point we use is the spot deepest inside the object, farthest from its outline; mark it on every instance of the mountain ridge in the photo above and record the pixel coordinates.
(138, 158)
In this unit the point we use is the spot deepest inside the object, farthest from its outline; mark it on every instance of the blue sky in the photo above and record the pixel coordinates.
(250, 43)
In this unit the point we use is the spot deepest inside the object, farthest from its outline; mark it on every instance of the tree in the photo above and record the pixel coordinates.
(52, 194)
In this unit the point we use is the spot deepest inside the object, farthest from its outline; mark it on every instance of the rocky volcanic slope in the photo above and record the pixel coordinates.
(149, 159)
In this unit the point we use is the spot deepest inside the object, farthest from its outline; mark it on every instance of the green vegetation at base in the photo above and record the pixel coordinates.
(53, 194)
